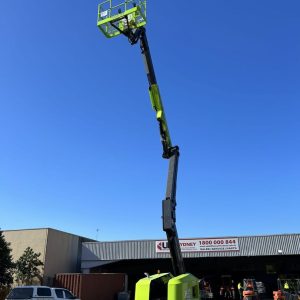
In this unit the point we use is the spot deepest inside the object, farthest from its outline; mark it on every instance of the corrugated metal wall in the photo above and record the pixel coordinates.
(289, 244)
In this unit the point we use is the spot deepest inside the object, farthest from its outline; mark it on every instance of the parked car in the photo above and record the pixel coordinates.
(39, 293)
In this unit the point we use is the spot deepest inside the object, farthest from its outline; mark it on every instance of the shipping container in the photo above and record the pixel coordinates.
(95, 286)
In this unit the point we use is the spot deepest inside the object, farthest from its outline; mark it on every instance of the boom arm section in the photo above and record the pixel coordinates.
(155, 95)
(170, 152)
(169, 215)
(139, 34)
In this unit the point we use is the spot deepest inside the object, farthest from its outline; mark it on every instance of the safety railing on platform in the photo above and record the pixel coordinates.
(115, 18)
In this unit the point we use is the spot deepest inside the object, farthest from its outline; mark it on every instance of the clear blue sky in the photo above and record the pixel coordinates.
(80, 146)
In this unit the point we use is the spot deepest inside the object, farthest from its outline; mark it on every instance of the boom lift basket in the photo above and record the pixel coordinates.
(114, 19)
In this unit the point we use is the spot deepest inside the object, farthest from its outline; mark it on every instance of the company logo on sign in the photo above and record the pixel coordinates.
(161, 246)
(201, 245)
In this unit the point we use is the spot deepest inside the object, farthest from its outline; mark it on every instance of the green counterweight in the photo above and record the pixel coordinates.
(165, 286)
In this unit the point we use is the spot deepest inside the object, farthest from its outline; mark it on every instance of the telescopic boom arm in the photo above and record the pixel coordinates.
(140, 35)
(169, 215)
(155, 96)
(170, 152)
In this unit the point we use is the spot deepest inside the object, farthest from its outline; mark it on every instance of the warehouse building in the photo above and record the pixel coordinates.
(218, 260)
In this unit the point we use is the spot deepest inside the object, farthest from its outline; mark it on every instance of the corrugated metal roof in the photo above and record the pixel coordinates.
(289, 244)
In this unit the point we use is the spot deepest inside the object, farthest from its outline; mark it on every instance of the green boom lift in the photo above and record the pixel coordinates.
(128, 18)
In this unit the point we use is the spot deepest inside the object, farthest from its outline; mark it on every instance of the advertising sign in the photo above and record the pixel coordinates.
(201, 245)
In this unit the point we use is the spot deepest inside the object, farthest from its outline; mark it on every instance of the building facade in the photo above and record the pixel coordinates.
(222, 261)
(219, 260)
(59, 251)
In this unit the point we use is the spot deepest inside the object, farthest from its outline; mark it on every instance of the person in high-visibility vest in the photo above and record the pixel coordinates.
(240, 289)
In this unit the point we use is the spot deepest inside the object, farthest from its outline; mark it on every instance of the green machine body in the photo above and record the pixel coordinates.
(166, 287)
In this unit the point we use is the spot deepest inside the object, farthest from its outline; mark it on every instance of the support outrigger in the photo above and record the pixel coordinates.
(129, 18)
